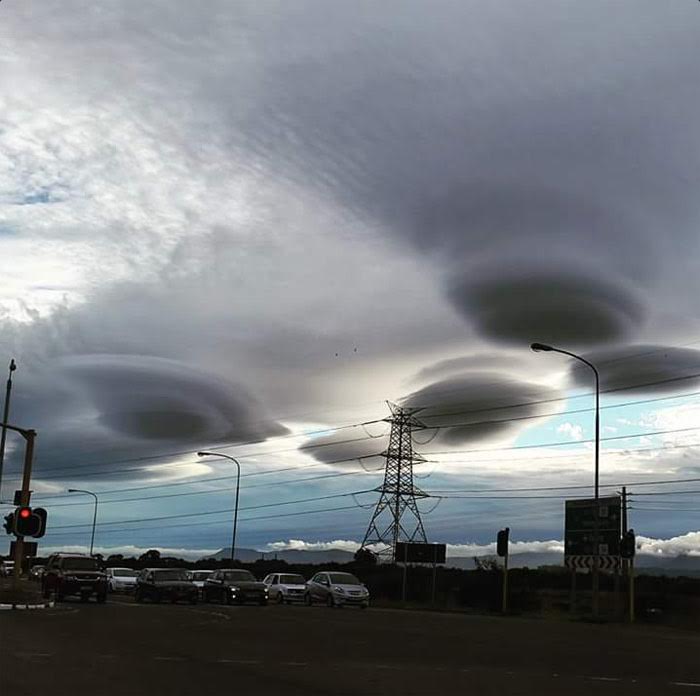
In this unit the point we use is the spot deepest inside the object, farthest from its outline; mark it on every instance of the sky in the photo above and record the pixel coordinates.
(247, 226)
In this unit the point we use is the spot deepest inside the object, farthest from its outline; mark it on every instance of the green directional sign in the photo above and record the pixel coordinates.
(579, 532)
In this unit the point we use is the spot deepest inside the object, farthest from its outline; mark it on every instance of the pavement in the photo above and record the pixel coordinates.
(127, 649)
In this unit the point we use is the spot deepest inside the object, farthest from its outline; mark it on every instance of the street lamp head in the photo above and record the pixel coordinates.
(202, 454)
(13, 365)
(537, 347)
(73, 490)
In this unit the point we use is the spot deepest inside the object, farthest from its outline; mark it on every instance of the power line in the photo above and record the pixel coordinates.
(567, 442)
(665, 493)
(213, 512)
(561, 488)
(370, 422)
(192, 524)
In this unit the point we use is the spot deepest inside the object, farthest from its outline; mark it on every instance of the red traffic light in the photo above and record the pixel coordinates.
(25, 512)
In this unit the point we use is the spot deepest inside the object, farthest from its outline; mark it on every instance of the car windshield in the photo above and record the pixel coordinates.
(239, 576)
(166, 575)
(344, 579)
(124, 573)
(292, 580)
(80, 564)
(201, 574)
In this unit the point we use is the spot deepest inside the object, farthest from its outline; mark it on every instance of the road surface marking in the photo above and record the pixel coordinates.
(169, 659)
(296, 664)
(692, 684)
(611, 679)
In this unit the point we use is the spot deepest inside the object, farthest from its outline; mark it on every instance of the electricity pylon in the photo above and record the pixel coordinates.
(397, 517)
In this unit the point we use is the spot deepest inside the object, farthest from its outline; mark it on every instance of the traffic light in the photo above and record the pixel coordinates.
(42, 515)
(9, 524)
(28, 522)
(502, 542)
(628, 544)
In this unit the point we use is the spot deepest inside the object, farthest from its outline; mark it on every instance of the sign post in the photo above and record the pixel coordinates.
(592, 538)
(502, 550)
(414, 552)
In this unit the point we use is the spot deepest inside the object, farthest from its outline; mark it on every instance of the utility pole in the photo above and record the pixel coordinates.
(5, 417)
(398, 495)
(29, 437)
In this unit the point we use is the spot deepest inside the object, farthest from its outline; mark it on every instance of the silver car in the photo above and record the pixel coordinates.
(285, 588)
(336, 590)
(121, 579)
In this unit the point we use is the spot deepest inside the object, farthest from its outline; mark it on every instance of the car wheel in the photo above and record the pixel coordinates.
(138, 597)
(102, 598)
(330, 602)
(280, 598)
(193, 600)
(157, 597)
(307, 599)
(262, 603)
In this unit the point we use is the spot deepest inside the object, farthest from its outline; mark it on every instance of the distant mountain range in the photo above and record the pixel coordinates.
(656, 565)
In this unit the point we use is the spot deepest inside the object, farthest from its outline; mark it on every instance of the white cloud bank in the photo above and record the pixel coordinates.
(687, 544)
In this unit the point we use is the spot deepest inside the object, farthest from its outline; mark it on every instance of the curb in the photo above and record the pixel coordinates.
(21, 605)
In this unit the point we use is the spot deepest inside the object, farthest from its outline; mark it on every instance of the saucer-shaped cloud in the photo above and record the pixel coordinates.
(642, 368)
(91, 410)
(479, 406)
(551, 306)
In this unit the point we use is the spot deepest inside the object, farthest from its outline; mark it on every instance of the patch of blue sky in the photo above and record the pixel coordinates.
(620, 417)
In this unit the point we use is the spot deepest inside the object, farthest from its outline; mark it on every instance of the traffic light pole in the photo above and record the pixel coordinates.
(29, 437)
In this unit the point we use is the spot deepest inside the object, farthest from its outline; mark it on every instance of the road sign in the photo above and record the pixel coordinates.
(410, 552)
(586, 562)
(29, 549)
(579, 533)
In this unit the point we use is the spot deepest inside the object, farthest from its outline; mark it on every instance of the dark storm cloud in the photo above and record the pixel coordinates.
(476, 362)
(345, 449)
(537, 160)
(642, 368)
(552, 306)
(469, 406)
(104, 407)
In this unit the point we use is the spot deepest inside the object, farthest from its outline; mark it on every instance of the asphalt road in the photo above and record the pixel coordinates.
(126, 649)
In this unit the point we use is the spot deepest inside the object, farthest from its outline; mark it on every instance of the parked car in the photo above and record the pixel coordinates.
(36, 573)
(172, 584)
(7, 568)
(73, 574)
(199, 577)
(336, 590)
(285, 588)
(121, 579)
(234, 587)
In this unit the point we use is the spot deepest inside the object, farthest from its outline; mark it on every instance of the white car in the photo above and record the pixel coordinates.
(285, 588)
(121, 579)
(336, 590)
(199, 577)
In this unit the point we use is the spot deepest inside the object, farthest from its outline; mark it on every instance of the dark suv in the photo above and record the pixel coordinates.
(171, 584)
(72, 574)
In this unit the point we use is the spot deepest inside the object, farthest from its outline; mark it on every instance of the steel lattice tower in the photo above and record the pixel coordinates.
(398, 496)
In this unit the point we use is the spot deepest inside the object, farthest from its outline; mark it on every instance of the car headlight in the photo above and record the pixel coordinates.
(70, 578)
(339, 590)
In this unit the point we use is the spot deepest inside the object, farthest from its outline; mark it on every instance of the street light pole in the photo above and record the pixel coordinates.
(94, 515)
(238, 488)
(541, 347)
(5, 416)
